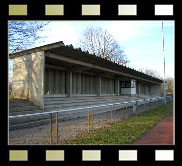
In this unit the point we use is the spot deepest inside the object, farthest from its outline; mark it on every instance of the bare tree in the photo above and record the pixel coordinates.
(169, 80)
(100, 42)
(151, 72)
(24, 34)
(169, 85)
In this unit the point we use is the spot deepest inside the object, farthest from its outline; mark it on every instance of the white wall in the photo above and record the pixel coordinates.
(128, 91)
(133, 91)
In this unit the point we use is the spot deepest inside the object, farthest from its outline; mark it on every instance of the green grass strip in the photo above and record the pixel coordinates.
(126, 131)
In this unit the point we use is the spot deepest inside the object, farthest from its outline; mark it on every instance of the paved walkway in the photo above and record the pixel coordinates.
(162, 133)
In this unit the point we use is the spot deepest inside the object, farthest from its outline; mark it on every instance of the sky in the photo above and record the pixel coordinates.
(140, 40)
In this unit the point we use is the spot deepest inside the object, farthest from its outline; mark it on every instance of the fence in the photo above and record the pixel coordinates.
(135, 108)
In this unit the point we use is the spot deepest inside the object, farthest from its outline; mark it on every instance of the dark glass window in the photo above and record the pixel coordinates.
(128, 84)
(125, 84)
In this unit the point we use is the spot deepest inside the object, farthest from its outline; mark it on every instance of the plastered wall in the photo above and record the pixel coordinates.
(28, 77)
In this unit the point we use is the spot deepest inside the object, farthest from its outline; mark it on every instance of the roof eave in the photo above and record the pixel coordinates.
(36, 49)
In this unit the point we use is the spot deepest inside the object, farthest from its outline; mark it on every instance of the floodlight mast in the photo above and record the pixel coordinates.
(164, 83)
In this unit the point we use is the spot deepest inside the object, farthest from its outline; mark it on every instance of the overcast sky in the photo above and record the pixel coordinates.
(140, 40)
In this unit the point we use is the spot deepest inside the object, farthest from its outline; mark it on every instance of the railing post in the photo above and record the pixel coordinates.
(50, 116)
(111, 114)
(147, 105)
(136, 107)
(113, 111)
(126, 110)
(92, 119)
(88, 120)
(57, 129)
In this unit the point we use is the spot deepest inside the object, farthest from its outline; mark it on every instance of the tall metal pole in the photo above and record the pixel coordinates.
(164, 83)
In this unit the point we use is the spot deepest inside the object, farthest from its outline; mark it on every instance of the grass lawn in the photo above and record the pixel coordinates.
(126, 131)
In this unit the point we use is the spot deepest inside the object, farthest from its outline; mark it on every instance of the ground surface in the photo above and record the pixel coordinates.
(161, 133)
(68, 130)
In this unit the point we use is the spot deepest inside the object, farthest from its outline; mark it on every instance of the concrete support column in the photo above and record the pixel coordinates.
(98, 85)
(91, 84)
(116, 87)
(57, 82)
(62, 82)
(110, 86)
(50, 81)
(73, 83)
(69, 83)
(149, 89)
(138, 88)
(78, 91)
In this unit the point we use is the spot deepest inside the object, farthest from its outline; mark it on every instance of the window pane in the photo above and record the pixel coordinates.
(128, 84)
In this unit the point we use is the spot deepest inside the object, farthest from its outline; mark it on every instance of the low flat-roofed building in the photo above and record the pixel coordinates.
(56, 70)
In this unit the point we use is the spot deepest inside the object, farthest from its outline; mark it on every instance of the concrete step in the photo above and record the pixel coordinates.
(56, 105)
(23, 108)
(73, 100)
(20, 102)
(12, 105)
(85, 100)
(25, 112)
(66, 116)
(63, 99)
(75, 105)
(44, 119)
(63, 115)
(28, 124)
(80, 101)
(67, 104)
(41, 117)
(93, 102)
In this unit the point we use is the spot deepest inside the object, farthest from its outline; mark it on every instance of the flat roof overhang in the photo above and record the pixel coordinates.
(51, 62)
(74, 59)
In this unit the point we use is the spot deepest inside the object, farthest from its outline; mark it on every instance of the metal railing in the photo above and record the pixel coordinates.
(89, 108)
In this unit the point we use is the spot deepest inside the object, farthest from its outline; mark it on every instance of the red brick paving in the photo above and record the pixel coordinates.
(162, 133)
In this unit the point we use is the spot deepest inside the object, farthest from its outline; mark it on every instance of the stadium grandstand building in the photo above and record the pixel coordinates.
(55, 72)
